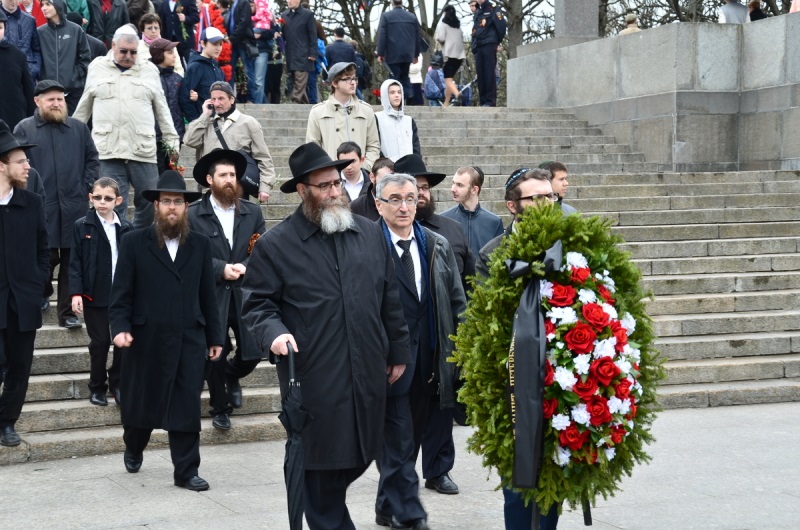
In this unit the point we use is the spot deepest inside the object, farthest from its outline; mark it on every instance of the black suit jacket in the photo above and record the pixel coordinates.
(243, 24)
(364, 204)
(171, 25)
(24, 258)
(451, 230)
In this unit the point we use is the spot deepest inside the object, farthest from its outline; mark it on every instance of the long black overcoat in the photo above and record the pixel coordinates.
(170, 308)
(67, 161)
(249, 220)
(300, 34)
(338, 296)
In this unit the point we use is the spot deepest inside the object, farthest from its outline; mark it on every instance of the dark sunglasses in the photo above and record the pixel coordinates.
(106, 198)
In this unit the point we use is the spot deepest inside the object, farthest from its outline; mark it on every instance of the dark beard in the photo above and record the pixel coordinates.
(54, 116)
(425, 212)
(332, 215)
(227, 195)
(18, 183)
(165, 230)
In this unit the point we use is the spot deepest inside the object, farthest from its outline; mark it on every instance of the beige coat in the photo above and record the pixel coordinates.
(124, 107)
(240, 132)
(330, 125)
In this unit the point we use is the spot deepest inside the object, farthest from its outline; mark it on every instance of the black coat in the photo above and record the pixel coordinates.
(16, 90)
(170, 308)
(90, 260)
(242, 25)
(364, 205)
(454, 234)
(338, 296)
(249, 220)
(300, 35)
(171, 25)
(24, 258)
(398, 36)
(340, 52)
(66, 159)
(97, 48)
(103, 26)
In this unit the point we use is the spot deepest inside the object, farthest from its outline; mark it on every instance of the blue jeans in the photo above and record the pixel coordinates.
(140, 175)
(261, 78)
(311, 89)
(518, 516)
(240, 52)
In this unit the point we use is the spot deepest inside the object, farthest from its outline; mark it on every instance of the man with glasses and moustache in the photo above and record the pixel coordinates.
(124, 99)
(324, 281)
(164, 311)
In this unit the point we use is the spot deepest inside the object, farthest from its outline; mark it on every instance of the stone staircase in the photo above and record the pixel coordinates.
(718, 250)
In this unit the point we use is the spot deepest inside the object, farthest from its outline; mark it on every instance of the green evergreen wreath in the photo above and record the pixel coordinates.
(482, 352)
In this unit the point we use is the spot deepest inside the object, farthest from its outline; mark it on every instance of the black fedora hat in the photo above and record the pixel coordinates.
(307, 158)
(7, 140)
(171, 181)
(201, 169)
(413, 165)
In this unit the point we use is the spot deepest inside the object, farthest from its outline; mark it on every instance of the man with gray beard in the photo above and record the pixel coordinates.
(323, 281)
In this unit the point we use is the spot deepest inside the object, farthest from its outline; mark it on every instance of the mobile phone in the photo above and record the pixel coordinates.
(211, 108)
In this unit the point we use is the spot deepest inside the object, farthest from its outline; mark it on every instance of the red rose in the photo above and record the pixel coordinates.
(597, 406)
(549, 373)
(580, 339)
(632, 413)
(549, 407)
(572, 438)
(549, 327)
(580, 275)
(621, 334)
(585, 389)
(623, 389)
(617, 434)
(604, 370)
(605, 294)
(594, 315)
(563, 295)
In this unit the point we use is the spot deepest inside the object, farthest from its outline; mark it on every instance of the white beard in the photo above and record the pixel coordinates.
(336, 219)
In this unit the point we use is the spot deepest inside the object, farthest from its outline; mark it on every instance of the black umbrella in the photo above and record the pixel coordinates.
(293, 416)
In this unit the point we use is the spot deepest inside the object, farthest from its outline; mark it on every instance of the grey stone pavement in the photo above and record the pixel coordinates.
(712, 468)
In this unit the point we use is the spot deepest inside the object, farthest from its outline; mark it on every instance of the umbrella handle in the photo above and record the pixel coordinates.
(292, 374)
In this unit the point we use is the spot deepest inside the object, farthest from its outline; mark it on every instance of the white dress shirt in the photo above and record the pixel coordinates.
(226, 217)
(111, 233)
(172, 246)
(353, 190)
(5, 200)
(414, 249)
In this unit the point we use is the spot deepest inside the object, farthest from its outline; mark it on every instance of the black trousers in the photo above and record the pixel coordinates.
(486, 66)
(274, 78)
(184, 448)
(400, 73)
(99, 342)
(18, 346)
(398, 488)
(324, 496)
(59, 257)
(216, 371)
(433, 431)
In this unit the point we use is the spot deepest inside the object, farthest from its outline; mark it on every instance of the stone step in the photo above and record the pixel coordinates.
(72, 443)
(700, 324)
(682, 304)
(729, 393)
(682, 178)
(522, 159)
(732, 369)
(682, 190)
(712, 247)
(721, 283)
(704, 216)
(56, 337)
(649, 204)
(707, 231)
(762, 343)
(80, 414)
(733, 264)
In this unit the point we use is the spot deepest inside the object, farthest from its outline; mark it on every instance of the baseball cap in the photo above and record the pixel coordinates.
(212, 35)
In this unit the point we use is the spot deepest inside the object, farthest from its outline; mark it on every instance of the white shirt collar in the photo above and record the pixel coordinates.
(5, 200)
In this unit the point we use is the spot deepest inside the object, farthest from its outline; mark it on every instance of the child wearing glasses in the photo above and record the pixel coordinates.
(92, 265)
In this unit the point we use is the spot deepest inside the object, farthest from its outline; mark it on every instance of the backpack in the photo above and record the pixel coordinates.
(434, 85)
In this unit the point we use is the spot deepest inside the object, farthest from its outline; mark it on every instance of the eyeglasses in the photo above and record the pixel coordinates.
(325, 186)
(395, 202)
(548, 196)
(106, 198)
(123, 51)
(170, 202)
(424, 188)
(22, 161)
(348, 79)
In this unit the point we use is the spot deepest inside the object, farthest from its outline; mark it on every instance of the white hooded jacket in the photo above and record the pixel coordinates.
(398, 132)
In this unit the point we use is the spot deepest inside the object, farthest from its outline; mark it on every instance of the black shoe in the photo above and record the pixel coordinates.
(132, 463)
(383, 520)
(71, 323)
(99, 399)
(193, 484)
(221, 422)
(419, 524)
(442, 484)
(9, 437)
(234, 392)
(116, 396)
(45, 305)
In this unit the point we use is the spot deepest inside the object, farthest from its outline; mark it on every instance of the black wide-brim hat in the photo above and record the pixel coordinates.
(171, 181)
(307, 158)
(201, 169)
(413, 165)
(9, 143)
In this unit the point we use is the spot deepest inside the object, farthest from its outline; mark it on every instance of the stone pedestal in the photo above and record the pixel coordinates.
(577, 19)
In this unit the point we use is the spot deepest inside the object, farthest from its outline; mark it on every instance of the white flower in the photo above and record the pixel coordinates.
(605, 348)
(615, 404)
(580, 414)
(624, 365)
(586, 296)
(610, 453)
(582, 363)
(560, 345)
(561, 422)
(562, 315)
(550, 336)
(562, 456)
(628, 322)
(609, 310)
(565, 378)
(606, 280)
(637, 387)
(546, 288)
(576, 260)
